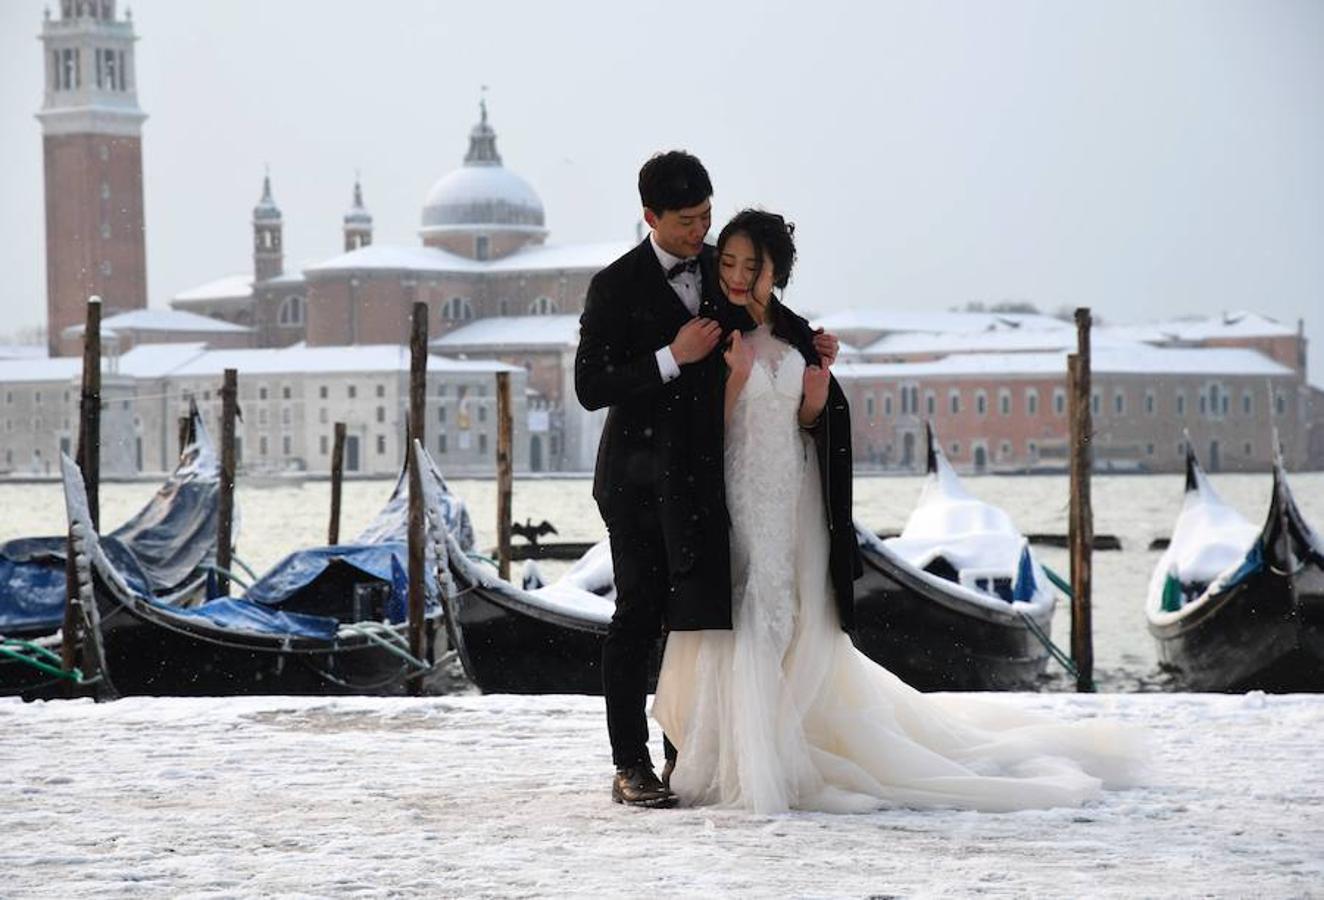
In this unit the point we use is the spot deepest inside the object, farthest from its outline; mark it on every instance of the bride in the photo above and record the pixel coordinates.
(782, 712)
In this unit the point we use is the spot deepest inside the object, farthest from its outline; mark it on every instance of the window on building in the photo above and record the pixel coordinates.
(930, 403)
(322, 392)
(381, 445)
(441, 390)
(482, 413)
(1149, 403)
(381, 414)
(1181, 403)
(1059, 401)
(543, 306)
(1249, 447)
(482, 246)
(1119, 403)
(887, 403)
(1247, 403)
(1223, 403)
(262, 445)
(322, 415)
(1203, 405)
(956, 450)
(285, 445)
(482, 444)
(457, 309)
(954, 402)
(981, 402)
(381, 390)
(285, 414)
(262, 392)
(1096, 402)
(351, 391)
(285, 391)
(291, 311)
(36, 398)
(1032, 449)
(441, 414)
(322, 445)
(1279, 403)
(441, 443)
(262, 416)
(1032, 401)
(1005, 450)
(1149, 449)
(1004, 402)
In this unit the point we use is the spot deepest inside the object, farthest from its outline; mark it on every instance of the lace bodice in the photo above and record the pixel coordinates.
(765, 458)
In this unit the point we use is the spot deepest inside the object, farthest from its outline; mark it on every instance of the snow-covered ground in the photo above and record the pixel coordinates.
(480, 796)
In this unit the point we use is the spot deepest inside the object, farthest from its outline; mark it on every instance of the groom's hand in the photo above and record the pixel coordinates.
(695, 340)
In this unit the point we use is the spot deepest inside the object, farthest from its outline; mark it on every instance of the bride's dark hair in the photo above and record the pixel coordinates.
(772, 237)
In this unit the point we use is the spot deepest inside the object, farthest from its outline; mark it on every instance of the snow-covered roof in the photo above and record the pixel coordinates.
(57, 368)
(22, 351)
(989, 341)
(302, 360)
(889, 320)
(161, 320)
(1228, 325)
(513, 331)
(1134, 360)
(231, 287)
(158, 360)
(433, 259)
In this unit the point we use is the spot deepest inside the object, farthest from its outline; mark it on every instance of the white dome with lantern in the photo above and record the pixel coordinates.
(483, 195)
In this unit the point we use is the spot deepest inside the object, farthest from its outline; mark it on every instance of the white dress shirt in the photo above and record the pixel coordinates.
(689, 287)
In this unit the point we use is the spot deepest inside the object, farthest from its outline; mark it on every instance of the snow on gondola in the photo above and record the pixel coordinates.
(170, 543)
(1234, 607)
(954, 602)
(325, 620)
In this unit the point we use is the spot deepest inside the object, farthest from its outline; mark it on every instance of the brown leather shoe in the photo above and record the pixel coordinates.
(637, 785)
(667, 769)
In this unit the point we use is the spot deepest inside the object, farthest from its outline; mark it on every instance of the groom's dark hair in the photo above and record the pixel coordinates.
(673, 180)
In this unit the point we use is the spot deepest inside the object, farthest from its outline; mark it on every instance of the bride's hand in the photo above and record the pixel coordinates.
(739, 356)
(826, 345)
(815, 393)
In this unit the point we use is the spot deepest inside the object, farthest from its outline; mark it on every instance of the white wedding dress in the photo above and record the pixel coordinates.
(782, 712)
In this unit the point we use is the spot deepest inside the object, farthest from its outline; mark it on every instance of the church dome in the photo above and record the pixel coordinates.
(482, 194)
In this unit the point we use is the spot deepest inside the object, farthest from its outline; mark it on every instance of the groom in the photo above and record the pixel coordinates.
(652, 322)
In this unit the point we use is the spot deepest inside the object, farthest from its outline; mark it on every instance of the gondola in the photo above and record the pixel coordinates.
(1235, 608)
(325, 620)
(542, 641)
(170, 543)
(957, 602)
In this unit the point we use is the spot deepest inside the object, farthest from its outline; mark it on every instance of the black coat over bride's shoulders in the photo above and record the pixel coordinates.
(832, 440)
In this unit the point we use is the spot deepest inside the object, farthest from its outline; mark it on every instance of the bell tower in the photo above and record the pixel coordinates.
(268, 254)
(358, 222)
(92, 147)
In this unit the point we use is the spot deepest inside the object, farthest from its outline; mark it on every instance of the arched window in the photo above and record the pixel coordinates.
(543, 306)
(291, 311)
(457, 309)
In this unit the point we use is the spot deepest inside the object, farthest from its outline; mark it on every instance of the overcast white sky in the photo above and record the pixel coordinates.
(1143, 158)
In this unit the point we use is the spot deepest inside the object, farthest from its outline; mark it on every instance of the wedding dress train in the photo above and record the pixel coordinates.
(782, 712)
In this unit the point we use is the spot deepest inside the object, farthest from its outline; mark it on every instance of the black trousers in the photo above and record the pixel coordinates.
(638, 556)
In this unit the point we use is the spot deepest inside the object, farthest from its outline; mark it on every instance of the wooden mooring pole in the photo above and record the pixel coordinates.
(1081, 533)
(183, 433)
(73, 650)
(505, 473)
(337, 476)
(418, 374)
(229, 412)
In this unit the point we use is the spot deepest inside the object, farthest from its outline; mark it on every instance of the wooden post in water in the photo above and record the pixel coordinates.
(418, 374)
(183, 433)
(229, 411)
(1081, 533)
(337, 476)
(89, 460)
(505, 473)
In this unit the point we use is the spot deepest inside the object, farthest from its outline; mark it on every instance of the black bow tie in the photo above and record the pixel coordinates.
(685, 265)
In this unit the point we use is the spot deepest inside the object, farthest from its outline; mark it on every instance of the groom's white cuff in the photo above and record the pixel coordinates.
(666, 364)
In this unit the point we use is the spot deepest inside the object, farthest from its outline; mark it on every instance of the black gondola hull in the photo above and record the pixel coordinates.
(509, 645)
(1258, 635)
(936, 640)
(151, 653)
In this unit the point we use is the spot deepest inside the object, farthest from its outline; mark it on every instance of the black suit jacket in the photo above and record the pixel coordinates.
(662, 443)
